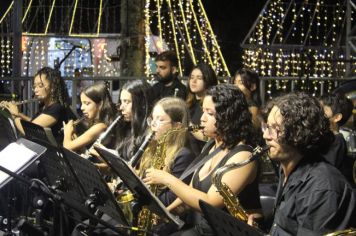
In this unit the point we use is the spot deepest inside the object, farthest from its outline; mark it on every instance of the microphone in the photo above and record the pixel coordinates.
(8, 96)
(77, 45)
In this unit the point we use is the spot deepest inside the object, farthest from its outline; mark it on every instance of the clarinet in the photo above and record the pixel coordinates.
(137, 157)
(103, 135)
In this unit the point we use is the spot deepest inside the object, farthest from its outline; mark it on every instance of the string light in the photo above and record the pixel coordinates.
(310, 33)
(184, 27)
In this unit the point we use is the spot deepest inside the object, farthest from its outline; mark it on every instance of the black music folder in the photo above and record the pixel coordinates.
(18, 156)
(224, 224)
(145, 197)
(38, 133)
(8, 132)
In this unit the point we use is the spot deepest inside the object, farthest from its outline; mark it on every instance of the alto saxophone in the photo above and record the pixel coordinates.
(146, 219)
(230, 200)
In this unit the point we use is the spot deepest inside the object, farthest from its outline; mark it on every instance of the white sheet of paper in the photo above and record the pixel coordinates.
(13, 157)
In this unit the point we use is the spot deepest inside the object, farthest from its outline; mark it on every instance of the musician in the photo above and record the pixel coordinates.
(248, 82)
(169, 121)
(313, 198)
(200, 79)
(50, 90)
(338, 109)
(135, 107)
(98, 111)
(227, 121)
(167, 75)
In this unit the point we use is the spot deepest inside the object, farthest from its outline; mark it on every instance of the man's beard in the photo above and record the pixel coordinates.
(166, 80)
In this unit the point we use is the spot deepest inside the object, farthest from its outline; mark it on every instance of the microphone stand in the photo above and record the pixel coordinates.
(56, 196)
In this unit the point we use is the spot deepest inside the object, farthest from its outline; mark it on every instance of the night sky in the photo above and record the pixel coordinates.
(231, 21)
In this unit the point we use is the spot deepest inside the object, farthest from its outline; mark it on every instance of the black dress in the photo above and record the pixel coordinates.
(249, 198)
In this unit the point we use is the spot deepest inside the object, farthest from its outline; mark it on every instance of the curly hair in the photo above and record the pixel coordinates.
(209, 78)
(58, 91)
(304, 125)
(99, 93)
(233, 119)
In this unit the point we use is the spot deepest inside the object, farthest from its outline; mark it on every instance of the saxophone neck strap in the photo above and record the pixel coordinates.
(202, 158)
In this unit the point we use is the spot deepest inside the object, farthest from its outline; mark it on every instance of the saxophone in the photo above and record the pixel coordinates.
(230, 201)
(146, 219)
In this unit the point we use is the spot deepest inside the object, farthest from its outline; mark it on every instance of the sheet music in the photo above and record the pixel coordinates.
(111, 158)
(13, 158)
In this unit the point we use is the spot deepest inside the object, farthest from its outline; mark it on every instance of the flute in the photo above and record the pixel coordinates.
(75, 123)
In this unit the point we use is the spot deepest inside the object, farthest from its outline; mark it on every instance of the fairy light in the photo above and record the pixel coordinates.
(147, 37)
(308, 24)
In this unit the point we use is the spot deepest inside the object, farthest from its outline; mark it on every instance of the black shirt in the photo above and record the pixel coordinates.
(316, 199)
(337, 151)
(58, 112)
(159, 90)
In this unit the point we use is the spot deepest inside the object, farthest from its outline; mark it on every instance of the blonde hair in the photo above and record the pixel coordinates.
(174, 139)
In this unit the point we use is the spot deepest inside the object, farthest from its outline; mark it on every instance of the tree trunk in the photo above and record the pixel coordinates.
(132, 31)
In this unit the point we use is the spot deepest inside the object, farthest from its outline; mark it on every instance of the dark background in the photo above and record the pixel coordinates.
(230, 19)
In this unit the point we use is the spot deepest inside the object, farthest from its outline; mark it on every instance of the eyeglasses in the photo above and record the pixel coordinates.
(273, 130)
(152, 122)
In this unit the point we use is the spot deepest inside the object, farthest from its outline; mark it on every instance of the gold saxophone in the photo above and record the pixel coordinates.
(146, 219)
(230, 200)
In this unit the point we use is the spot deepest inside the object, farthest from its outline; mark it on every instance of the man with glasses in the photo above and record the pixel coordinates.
(313, 198)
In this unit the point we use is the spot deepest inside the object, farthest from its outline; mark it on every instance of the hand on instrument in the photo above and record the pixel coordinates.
(154, 176)
(68, 129)
(12, 107)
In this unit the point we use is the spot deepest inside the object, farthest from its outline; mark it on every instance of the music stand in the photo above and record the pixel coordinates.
(136, 186)
(26, 153)
(95, 188)
(38, 133)
(7, 129)
(224, 224)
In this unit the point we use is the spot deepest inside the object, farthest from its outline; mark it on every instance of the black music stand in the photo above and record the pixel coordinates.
(96, 190)
(22, 161)
(25, 153)
(7, 129)
(38, 133)
(145, 197)
(224, 224)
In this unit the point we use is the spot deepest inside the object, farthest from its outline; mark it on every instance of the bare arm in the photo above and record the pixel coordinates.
(83, 140)
(236, 179)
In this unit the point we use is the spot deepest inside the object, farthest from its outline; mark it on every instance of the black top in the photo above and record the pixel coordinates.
(180, 163)
(249, 197)
(337, 151)
(57, 111)
(316, 199)
(195, 112)
(159, 90)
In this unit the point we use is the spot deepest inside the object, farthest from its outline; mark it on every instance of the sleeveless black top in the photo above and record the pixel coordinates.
(249, 197)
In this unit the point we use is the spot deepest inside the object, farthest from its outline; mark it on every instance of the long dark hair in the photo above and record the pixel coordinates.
(100, 93)
(209, 78)
(248, 78)
(233, 119)
(129, 135)
(58, 91)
